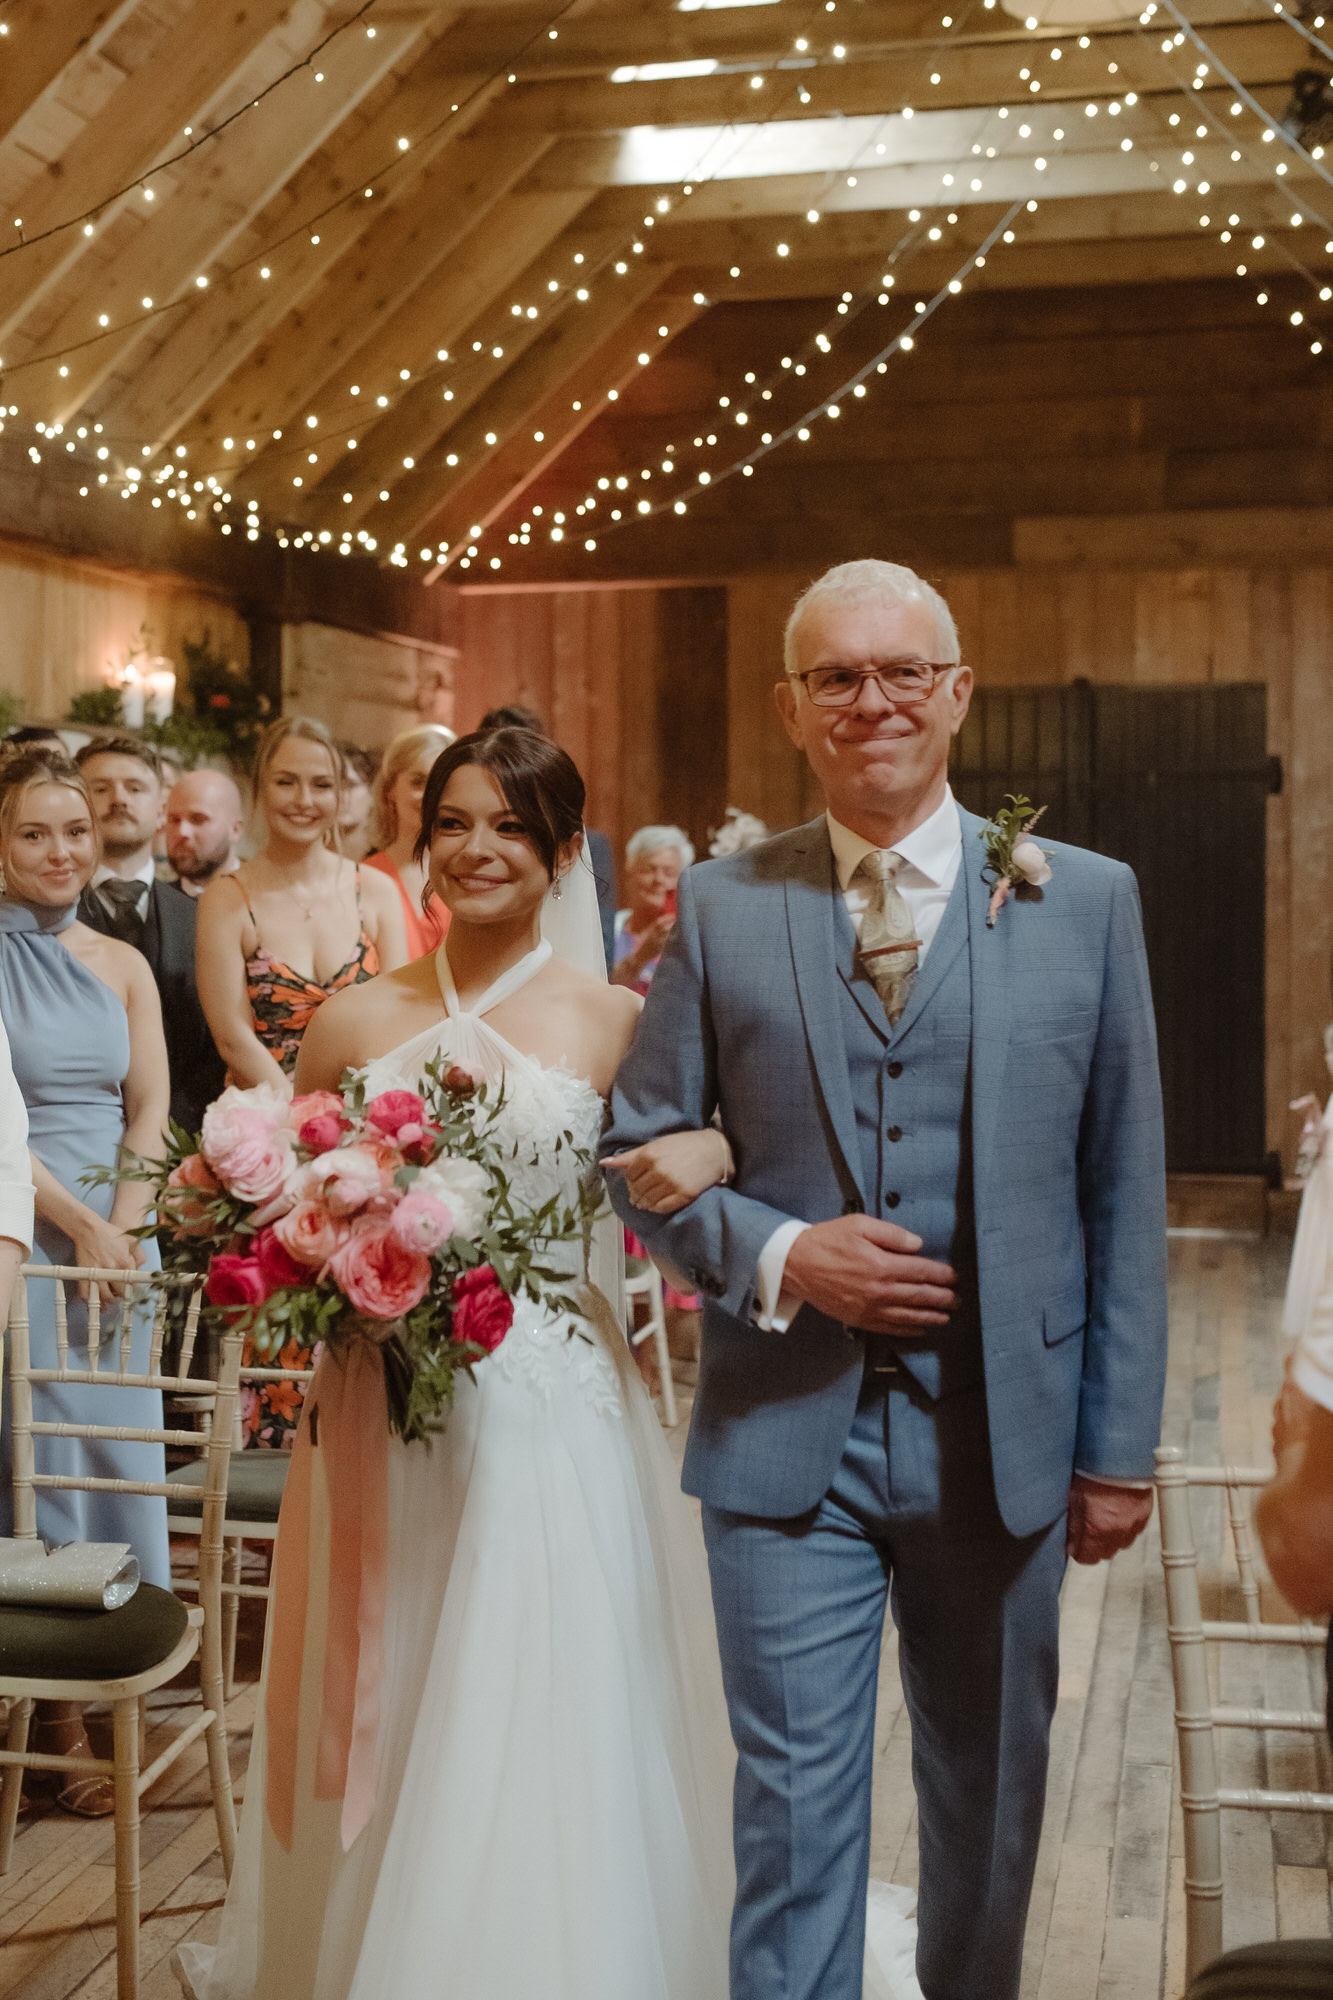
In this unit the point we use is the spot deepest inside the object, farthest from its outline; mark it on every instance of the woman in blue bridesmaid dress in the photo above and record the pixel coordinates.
(85, 1032)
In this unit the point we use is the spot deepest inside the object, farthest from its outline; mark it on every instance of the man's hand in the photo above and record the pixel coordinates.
(866, 1274)
(1104, 1519)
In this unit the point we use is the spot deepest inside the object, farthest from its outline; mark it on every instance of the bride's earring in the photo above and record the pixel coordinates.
(557, 889)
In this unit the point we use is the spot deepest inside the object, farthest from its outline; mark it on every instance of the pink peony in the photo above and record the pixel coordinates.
(279, 1270)
(309, 1233)
(247, 1142)
(235, 1281)
(483, 1309)
(187, 1212)
(422, 1222)
(347, 1177)
(320, 1135)
(314, 1104)
(378, 1276)
(393, 1108)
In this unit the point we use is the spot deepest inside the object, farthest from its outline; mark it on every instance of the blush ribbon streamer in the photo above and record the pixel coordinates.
(345, 1418)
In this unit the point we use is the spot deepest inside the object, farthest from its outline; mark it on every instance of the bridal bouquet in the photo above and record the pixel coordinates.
(333, 1218)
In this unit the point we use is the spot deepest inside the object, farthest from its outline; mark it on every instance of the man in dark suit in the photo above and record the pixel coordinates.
(123, 900)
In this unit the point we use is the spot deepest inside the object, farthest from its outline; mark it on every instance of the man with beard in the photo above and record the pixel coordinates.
(204, 819)
(124, 900)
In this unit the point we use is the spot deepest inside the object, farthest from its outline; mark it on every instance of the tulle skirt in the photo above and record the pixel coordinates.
(554, 1765)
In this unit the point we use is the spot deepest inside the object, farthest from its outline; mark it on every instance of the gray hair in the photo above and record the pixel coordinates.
(853, 582)
(649, 839)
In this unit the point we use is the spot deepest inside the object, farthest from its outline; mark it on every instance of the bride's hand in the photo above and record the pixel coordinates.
(669, 1173)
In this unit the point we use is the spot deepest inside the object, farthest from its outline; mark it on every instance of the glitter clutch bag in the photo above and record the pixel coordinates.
(81, 1576)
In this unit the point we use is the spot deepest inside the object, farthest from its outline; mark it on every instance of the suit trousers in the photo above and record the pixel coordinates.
(911, 1517)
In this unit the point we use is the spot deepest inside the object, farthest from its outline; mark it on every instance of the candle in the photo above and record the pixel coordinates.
(131, 699)
(161, 693)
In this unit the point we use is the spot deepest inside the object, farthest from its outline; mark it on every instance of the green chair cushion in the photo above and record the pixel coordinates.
(255, 1484)
(65, 1645)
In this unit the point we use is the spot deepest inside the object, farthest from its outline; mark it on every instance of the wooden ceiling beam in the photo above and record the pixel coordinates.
(482, 356)
(603, 41)
(345, 331)
(367, 353)
(200, 65)
(1261, 52)
(171, 387)
(568, 365)
(498, 482)
(199, 211)
(44, 39)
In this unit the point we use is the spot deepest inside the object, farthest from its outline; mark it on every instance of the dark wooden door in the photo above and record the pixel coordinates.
(1173, 781)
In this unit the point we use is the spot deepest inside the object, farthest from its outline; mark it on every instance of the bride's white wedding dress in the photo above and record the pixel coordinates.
(554, 1766)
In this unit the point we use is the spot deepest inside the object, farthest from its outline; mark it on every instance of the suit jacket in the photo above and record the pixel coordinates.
(604, 874)
(1068, 1170)
(198, 1073)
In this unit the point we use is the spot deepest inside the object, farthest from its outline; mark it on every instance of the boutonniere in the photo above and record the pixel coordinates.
(1013, 858)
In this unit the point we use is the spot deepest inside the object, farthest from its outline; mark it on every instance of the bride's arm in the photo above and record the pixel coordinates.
(326, 1046)
(669, 1173)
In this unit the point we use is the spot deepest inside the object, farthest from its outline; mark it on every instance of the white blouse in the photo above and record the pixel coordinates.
(16, 1189)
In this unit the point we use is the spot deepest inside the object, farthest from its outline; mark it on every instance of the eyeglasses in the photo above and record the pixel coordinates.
(904, 682)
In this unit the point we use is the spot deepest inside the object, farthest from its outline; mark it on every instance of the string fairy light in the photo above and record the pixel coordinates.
(90, 215)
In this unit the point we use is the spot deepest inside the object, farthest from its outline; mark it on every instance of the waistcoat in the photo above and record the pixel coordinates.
(911, 1086)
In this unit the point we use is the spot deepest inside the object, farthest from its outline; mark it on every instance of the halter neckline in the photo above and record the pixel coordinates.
(501, 989)
(46, 918)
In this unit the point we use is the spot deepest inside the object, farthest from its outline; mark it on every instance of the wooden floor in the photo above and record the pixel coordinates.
(1107, 1913)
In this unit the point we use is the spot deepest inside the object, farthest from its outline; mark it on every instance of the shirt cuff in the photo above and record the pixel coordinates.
(1107, 1479)
(775, 1309)
(1312, 1356)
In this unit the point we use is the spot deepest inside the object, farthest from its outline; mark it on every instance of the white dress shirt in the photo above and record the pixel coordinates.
(931, 856)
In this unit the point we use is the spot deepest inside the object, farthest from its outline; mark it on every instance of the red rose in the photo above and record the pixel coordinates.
(235, 1281)
(483, 1309)
(278, 1269)
(393, 1108)
(461, 1079)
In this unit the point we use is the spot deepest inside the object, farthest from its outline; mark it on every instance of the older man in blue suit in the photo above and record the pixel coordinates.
(934, 1337)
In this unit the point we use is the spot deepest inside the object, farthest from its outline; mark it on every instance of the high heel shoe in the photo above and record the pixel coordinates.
(83, 1793)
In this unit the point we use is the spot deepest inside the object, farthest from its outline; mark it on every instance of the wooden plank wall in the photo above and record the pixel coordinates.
(1046, 624)
(632, 682)
(66, 623)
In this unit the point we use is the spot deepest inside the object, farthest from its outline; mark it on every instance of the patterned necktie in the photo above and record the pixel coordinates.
(890, 947)
(121, 900)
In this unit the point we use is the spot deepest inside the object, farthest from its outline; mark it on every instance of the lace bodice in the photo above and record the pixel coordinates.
(548, 1118)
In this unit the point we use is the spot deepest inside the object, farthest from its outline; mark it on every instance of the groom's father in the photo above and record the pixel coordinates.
(934, 1340)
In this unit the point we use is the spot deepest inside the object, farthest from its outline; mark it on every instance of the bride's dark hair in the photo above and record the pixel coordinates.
(539, 780)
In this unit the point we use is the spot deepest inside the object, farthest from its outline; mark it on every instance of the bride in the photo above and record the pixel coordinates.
(553, 1766)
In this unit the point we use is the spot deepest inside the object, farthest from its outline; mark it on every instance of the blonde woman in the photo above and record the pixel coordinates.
(399, 786)
(297, 922)
(80, 1015)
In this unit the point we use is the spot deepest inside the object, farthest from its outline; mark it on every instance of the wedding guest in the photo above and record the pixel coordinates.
(34, 736)
(399, 784)
(204, 823)
(595, 845)
(738, 831)
(354, 813)
(654, 860)
(126, 901)
(81, 1014)
(297, 922)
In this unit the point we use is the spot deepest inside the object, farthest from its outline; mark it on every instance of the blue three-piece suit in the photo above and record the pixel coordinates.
(1012, 1120)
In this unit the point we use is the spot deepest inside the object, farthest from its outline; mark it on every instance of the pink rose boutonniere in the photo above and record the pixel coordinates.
(1013, 858)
